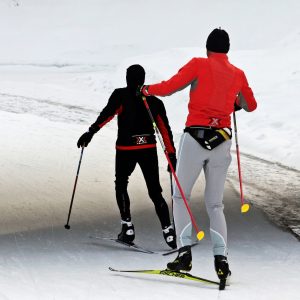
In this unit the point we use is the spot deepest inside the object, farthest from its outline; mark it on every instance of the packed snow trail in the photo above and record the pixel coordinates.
(53, 263)
(42, 260)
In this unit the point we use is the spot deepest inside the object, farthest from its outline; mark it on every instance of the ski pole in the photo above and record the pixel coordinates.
(244, 206)
(200, 234)
(171, 183)
(67, 226)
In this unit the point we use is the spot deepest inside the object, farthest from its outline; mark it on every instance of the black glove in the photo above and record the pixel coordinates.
(142, 90)
(236, 107)
(85, 139)
(173, 160)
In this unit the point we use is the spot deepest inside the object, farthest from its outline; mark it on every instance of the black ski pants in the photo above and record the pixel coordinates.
(125, 165)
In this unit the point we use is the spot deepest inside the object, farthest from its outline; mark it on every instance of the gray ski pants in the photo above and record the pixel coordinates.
(191, 159)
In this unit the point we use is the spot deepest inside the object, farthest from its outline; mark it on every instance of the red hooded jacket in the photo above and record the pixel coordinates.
(215, 86)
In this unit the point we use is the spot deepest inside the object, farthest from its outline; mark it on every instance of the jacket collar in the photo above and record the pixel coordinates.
(218, 55)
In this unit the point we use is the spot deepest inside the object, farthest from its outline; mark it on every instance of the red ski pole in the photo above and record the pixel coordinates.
(244, 206)
(200, 234)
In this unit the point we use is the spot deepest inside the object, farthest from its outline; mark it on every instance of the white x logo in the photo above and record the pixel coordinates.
(214, 122)
(141, 140)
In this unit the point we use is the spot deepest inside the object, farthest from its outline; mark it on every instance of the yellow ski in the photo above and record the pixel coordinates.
(167, 272)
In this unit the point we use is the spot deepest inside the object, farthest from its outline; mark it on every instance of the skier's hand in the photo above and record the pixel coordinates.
(237, 104)
(173, 160)
(142, 90)
(85, 139)
(236, 107)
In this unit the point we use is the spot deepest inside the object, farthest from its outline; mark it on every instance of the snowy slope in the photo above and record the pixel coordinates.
(100, 39)
(59, 62)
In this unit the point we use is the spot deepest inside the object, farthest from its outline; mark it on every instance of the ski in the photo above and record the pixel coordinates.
(176, 250)
(129, 245)
(167, 272)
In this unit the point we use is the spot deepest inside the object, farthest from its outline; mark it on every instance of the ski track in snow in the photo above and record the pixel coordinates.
(272, 187)
(49, 109)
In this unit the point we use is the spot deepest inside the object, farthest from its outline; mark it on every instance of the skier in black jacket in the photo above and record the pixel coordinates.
(136, 143)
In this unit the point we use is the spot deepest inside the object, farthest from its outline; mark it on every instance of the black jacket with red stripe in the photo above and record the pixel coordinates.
(135, 129)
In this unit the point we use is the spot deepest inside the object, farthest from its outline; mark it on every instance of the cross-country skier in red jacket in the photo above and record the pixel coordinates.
(217, 88)
(136, 144)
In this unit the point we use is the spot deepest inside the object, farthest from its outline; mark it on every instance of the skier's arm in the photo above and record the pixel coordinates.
(164, 128)
(245, 98)
(112, 108)
(185, 76)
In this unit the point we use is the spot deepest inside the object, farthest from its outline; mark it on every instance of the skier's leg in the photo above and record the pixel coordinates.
(189, 164)
(215, 171)
(125, 164)
(148, 162)
(191, 157)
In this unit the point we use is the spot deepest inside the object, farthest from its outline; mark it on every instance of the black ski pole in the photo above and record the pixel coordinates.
(171, 183)
(67, 226)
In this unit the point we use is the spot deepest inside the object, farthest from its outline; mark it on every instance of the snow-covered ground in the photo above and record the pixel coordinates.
(59, 62)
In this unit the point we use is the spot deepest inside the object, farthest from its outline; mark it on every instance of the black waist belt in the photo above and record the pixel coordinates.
(209, 137)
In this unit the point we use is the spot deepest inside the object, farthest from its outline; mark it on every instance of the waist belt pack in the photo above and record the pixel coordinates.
(209, 137)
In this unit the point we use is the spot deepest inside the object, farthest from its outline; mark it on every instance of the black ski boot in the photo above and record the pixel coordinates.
(222, 269)
(183, 262)
(170, 236)
(127, 234)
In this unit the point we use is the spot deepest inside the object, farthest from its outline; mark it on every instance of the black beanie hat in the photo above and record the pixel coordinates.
(218, 41)
(135, 76)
